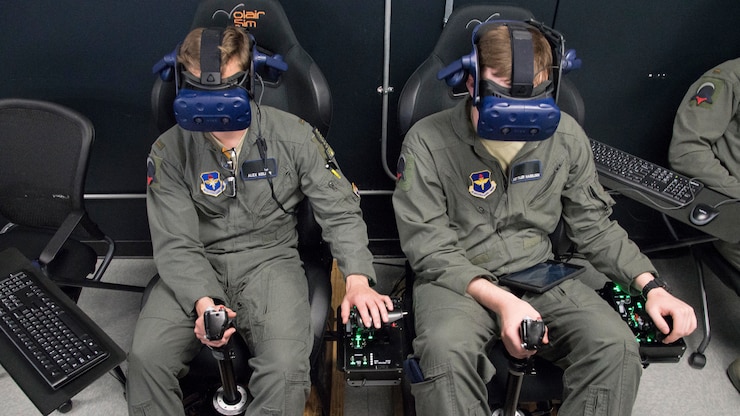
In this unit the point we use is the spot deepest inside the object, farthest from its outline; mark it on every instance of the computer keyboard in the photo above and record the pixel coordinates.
(53, 342)
(643, 176)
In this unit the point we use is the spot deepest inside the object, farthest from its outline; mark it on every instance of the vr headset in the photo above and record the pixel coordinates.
(208, 102)
(521, 112)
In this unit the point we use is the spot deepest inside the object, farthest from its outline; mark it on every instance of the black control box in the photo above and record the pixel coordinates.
(371, 356)
(632, 310)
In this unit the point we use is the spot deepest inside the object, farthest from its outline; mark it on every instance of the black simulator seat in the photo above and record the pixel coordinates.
(204, 378)
(424, 94)
(302, 90)
(44, 154)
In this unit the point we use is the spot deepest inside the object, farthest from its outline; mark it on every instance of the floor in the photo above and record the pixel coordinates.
(666, 389)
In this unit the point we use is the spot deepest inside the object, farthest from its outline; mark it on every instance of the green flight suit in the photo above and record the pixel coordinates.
(241, 251)
(460, 216)
(706, 137)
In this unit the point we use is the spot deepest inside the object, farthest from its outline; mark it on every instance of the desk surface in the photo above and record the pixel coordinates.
(33, 385)
(726, 226)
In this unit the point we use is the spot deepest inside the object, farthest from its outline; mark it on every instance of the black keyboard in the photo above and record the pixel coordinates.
(52, 341)
(644, 176)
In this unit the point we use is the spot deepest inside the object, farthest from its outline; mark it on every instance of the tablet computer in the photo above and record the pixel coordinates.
(541, 277)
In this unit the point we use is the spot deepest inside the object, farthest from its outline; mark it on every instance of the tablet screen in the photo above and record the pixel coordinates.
(541, 277)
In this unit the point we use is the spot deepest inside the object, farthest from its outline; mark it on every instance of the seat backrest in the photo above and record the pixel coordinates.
(301, 90)
(424, 94)
(44, 152)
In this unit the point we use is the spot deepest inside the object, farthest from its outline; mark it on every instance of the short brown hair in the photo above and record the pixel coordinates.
(235, 42)
(494, 51)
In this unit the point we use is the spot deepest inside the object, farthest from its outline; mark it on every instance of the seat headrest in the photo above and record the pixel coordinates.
(454, 41)
(265, 20)
(423, 93)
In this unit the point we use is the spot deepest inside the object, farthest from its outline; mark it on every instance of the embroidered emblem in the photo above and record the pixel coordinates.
(482, 185)
(212, 184)
(405, 172)
(704, 94)
(151, 171)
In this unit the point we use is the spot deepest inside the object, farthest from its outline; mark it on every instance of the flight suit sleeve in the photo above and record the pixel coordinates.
(586, 211)
(173, 221)
(336, 205)
(701, 119)
(430, 244)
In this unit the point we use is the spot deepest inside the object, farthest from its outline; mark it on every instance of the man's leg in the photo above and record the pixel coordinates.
(163, 342)
(595, 347)
(274, 313)
(452, 333)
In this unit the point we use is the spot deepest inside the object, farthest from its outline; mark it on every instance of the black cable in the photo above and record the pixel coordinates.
(262, 149)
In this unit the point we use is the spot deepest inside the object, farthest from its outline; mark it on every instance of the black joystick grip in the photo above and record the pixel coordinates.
(216, 321)
(532, 332)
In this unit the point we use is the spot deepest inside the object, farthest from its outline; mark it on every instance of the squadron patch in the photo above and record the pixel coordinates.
(482, 185)
(151, 170)
(704, 94)
(212, 184)
(404, 172)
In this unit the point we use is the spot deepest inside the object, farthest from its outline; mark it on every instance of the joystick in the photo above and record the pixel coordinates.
(532, 332)
(230, 398)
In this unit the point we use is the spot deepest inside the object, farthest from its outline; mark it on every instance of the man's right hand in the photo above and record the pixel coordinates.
(200, 330)
(511, 312)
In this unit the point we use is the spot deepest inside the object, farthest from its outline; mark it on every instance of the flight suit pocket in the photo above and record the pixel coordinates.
(284, 186)
(597, 402)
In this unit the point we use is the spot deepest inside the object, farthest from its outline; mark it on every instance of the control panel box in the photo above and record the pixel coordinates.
(371, 356)
(632, 310)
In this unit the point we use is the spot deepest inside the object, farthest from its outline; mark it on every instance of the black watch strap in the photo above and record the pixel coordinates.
(655, 283)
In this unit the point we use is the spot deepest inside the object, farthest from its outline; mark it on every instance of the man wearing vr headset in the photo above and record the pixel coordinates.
(706, 146)
(221, 201)
(476, 198)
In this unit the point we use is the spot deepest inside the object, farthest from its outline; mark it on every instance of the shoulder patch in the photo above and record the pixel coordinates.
(704, 94)
(404, 172)
(152, 166)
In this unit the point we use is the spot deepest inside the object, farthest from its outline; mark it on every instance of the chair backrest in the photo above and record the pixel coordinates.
(44, 152)
(301, 90)
(423, 94)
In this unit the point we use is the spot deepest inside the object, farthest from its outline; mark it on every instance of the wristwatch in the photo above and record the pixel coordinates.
(656, 282)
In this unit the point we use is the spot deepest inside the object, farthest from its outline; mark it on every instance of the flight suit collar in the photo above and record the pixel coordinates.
(463, 128)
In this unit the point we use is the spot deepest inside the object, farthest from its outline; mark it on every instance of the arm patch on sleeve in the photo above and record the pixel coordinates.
(404, 172)
(152, 166)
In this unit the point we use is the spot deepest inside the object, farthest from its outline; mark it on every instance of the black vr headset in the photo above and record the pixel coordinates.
(522, 112)
(208, 102)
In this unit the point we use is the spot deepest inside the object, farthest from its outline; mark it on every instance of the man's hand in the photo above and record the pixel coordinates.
(200, 330)
(661, 303)
(370, 304)
(511, 312)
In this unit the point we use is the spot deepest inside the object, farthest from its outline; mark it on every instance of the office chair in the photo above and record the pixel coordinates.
(303, 91)
(44, 152)
(424, 94)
